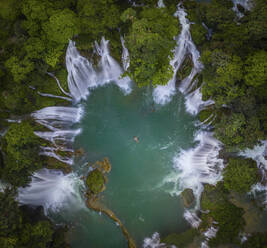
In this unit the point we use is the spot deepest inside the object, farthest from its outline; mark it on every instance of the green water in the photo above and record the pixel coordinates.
(134, 192)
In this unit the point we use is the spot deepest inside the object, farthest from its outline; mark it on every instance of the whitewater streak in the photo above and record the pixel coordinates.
(259, 154)
(200, 164)
(185, 47)
(50, 188)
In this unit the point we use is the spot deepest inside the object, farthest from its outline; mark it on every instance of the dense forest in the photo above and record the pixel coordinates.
(34, 35)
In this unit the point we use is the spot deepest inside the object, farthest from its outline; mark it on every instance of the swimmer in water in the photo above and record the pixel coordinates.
(136, 139)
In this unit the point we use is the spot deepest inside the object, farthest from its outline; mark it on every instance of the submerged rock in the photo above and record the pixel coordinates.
(188, 197)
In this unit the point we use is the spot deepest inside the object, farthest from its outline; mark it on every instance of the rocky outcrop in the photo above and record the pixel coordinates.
(188, 197)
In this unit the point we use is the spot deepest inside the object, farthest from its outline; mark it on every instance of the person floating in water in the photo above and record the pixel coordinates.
(136, 139)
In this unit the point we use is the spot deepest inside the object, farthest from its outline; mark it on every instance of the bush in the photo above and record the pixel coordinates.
(240, 174)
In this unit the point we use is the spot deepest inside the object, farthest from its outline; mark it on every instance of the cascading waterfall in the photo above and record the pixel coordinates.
(52, 190)
(209, 234)
(125, 58)
(185, 46)
(111, 70)
(59, 121)
(82, 76)
(259, 153)
(161, 4)
(197, 166)
(246, 4)
(154, 242)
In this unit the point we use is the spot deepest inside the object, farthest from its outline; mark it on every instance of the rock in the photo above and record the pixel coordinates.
(188, 197)
(95, 181)
(79, 152)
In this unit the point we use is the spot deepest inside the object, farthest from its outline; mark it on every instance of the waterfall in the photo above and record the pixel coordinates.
(125, 58)
(52, 190)
(259, 153)
(197, 166)
(192, 218)
(161, 4)
(163, 93)
(210, 233)
(154, 242)
(82, 75)
(110, 69)
(246, 4)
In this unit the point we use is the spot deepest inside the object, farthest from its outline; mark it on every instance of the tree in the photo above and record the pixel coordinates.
(236, 130)
(150, 43)
(98, 17)
(240, 174)
(223, 74)
(61, 26)
(21, 147)
(19, 68)
(256, 69)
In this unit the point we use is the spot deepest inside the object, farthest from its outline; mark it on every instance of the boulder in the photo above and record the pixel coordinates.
(188, 197)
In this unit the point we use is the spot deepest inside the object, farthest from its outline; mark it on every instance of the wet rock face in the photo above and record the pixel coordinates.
(188, 197)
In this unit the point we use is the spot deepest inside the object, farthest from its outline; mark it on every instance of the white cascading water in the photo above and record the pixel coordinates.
(185, 46)
(82, 76)
(197, 166)
(246, 4)
(125, 58)
(210, 233)
(192, 218)
(161, 4)
(111, 70)
(52, 190)
(154, 242)
(259, 154)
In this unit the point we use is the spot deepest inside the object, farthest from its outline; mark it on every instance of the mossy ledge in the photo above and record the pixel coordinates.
(95, 182)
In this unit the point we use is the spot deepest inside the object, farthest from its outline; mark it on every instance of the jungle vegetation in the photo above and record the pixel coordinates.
(34, 35)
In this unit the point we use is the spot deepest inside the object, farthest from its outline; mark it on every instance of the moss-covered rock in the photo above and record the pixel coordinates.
(95, 181)
(188, 197)
(181, 239)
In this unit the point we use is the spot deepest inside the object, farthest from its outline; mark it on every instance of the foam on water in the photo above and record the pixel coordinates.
(196, 166)
(161, 4)
(154, 242)
(259, 154)
(246, 4)
(53, 190)
(125, 58)
(185, 47)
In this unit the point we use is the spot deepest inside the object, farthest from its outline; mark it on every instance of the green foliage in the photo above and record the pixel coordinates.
(95, 181)
(98, 17)
(181, 239)
(10, 9)
(34, 47)
(256, 69)
(237, 130)
(62, 26)
(19, 68)
(198, 33)
(228, 216)
(25, 227)
(240, 174)
(256, 240)
(222, 76)
(21, 147)
(150, 43)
